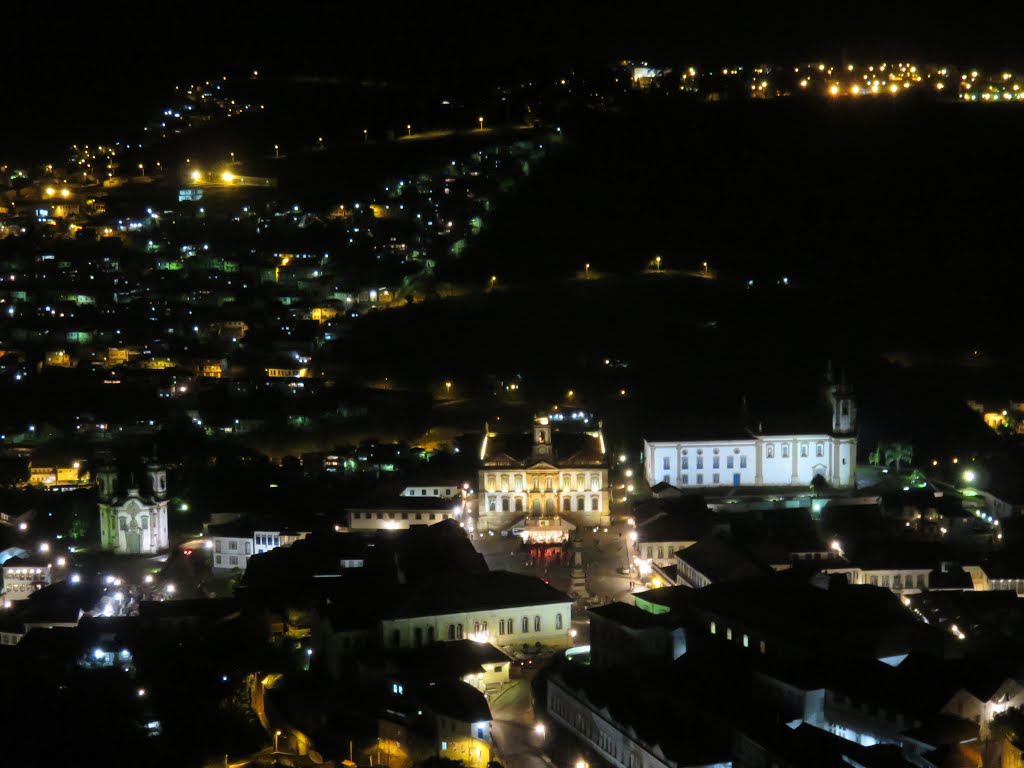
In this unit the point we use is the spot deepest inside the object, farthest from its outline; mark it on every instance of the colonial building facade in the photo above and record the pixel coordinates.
(135, 521)
(545, 474)
(757, 456)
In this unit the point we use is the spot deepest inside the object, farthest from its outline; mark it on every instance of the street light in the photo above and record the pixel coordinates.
(481, 121)
(277, 151)
(586, 270)
(657, 263)
(408, 129)
(448, 388)
(969, 476)
(705, 268)
(142, 168)
(277, 735)
(539, 729)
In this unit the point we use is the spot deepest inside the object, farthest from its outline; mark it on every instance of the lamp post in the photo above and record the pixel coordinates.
(408, 129)
(705, 269)
(277, 735)
(586, 270)
(480, 120)
(277, 152)
(142, 169)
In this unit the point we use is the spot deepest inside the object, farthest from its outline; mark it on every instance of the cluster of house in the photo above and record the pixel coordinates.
(416, 622)
(788, 668)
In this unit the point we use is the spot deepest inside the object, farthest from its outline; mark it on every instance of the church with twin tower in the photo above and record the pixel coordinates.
(133, 521)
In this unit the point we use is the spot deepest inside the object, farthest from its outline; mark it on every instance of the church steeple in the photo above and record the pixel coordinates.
(541, 437)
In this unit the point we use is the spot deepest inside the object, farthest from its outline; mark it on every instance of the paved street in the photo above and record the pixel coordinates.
(513, 727)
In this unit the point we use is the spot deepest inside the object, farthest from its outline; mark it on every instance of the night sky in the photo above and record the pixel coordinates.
(87, 71)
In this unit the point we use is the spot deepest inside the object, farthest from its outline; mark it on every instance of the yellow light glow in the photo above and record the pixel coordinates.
(51, 191)
(196, 175)
(228, 177)
(893, 89)
(803, 83)
(834, 90)
(64, 193)
(855, 90)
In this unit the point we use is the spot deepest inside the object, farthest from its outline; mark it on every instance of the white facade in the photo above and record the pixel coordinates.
(547, 624)
(763, 459)
(433, 491)
(135, 523)
(231, 551)
(792, 460)
(20, 581)
(394, 519)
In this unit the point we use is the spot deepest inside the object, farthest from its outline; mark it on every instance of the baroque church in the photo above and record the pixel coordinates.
(133, 521)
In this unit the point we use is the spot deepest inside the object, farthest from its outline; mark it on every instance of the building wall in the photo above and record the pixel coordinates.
(393, 520)
(467, 742)
(432, 491)
(116, 523)
(227, 547)
(21, 581)
(759, 461)
(508, 494)
(554, 633)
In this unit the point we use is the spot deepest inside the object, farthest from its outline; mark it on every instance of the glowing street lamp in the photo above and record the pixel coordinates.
(448, 388)
(408, 129)
(480, 120)
(196, 175)
(657, 263)
(586, 269)
(969, 476)
(277, 151)
(277, 735)
(228, 177)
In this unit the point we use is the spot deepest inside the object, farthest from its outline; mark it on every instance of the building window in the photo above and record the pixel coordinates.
(504, 483)
(536, 623)
(492, 504)
(581, 503)
(558, 621)
(233, 546)
(713, 628)
(124, 523)
(233, 560)
(785, 451)
(490, 483)
(525, 624)
(762, 646)
(248, 547)
(665, 478)
(714, 479)
(483, 627)
(819, 450)
(504, 504)
(700, 479)
(666, 463)
(501, 627)
(519, 482)
(770, 451)
(685, 479)
(746, 640)
(803, 450)
(451, 631)
(728, 633)
(595, 503)
(458, 631)
(476, 627)
(714, 462)
(566, 504)
(519, 505)
(685, 463)
(700, 462)
(728, 462)
(216, 545)
(743, 462)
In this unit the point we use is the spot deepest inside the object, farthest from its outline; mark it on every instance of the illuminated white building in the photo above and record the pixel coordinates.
(558, 469)
(763, 455)
(135, 522)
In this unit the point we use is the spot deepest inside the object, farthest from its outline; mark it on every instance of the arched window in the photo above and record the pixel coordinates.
(549, 506)
(519, 505)
(536, 623)
(770, 451)
(458, 631)
(525, 625)
(451, 631)
(803, 450)
(501, 627)
(558, 621)
(430, 635)
(476, 627)
(595, 503)
(566, 504)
